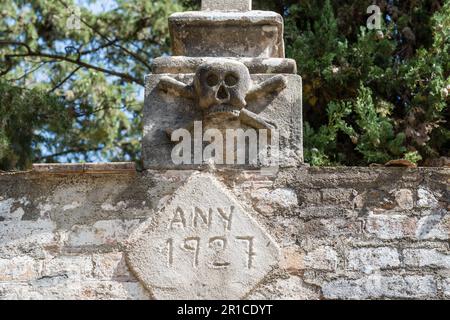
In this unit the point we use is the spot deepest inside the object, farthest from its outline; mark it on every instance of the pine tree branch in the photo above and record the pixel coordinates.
(103, 46)
(65, 79)
(104, 37)
(16, 43)
(66, 152)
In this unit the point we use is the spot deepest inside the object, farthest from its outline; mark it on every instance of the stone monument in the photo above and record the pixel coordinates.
(228, 72)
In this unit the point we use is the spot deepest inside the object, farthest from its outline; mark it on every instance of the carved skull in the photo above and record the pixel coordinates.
(221, 86)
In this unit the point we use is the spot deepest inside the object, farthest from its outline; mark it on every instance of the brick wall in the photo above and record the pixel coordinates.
(344, 233)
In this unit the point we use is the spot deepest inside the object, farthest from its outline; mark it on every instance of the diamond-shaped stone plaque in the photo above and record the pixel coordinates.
(202, 245)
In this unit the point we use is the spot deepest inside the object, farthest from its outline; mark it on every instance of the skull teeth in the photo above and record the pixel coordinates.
(223, 108)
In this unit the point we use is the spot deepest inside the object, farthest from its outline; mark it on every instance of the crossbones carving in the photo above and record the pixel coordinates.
(222, 89)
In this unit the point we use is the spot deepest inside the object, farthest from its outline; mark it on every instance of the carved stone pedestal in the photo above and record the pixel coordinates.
(228, 98)
(229, 72)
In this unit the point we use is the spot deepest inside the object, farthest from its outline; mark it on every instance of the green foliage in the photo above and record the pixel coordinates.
(27, 116)
(413, 157)
(96, 72)
(372, 96)
(371, 133)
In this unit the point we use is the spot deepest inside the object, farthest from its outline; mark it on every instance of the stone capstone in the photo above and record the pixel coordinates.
(219, 34)
(202, 245)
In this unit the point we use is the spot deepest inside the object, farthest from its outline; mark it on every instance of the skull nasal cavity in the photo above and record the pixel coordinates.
(222, 93)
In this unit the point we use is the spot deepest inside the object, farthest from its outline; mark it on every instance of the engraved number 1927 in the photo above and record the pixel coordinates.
(216, 244)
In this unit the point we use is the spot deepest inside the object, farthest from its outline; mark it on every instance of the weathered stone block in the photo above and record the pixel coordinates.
(378, 286)
(78, 267)
(339, 196)
(435, 224)
(111, 266)
(446, 286)
(10, 210)
(323, 258)
(270, 201)
(106, 232)
(38, 233)
(316, 210)
(426, 198)
(404, 199)
(392, 226)
(292, 260)
(333, 227)
(426, 258)
(22, 268)
(165, 112)
(66, 289)
(197, 34)
(372, 259)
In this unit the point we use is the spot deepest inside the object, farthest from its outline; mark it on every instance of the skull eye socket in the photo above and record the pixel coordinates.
(212, 80)
(231, 80)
